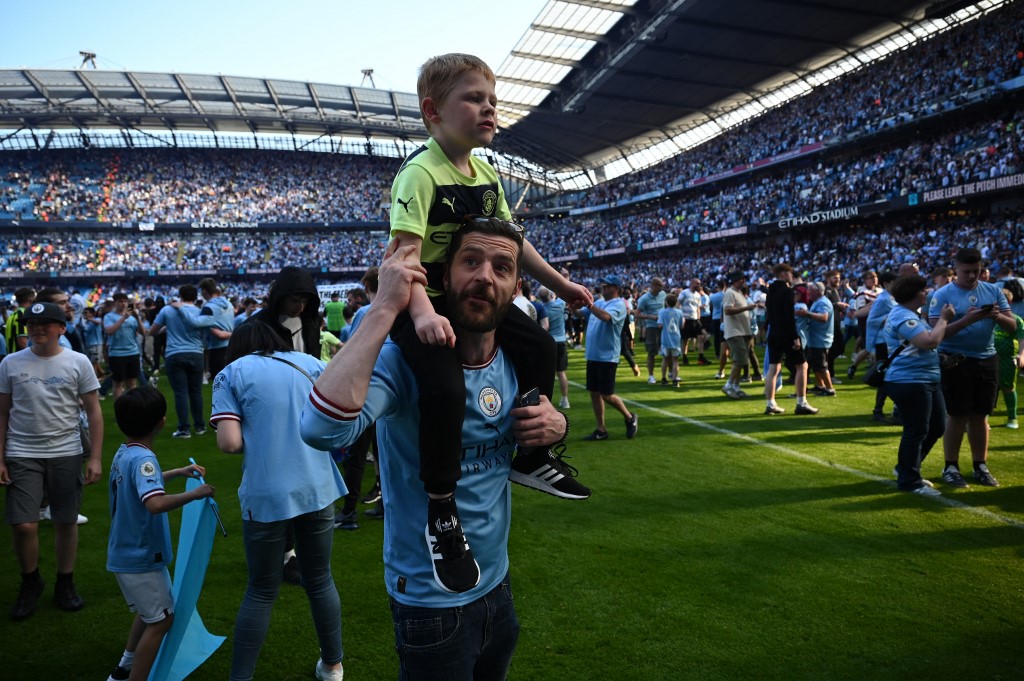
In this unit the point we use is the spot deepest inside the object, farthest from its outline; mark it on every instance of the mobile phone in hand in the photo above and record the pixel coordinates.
(529, 399)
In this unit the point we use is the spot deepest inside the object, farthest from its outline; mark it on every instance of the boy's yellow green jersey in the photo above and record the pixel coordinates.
(430, 197)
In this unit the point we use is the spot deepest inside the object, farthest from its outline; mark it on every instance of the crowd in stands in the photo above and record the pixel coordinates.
(981, 150)
(930, 76)
(189, 185)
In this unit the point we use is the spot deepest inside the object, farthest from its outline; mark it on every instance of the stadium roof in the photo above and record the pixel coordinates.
(657, 67)
(84, 99)
(592, 83)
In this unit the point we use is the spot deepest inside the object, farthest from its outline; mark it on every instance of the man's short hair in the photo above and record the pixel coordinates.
(188, 293)
(492, 226)
(781, 268)
(208, 286)
(657, 281)
(439, 76)
(832, 273)
(359, 295)
(140, 410)
(671, 300)
(869, 273)
(544, 294)
(943, 271)
(817, 286)
(967, 256)
(334, 295)
(48, 294)
(24, 295)
(369, 279)
(887, 277)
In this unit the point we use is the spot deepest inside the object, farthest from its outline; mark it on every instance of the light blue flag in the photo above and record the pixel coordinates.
(188, 644)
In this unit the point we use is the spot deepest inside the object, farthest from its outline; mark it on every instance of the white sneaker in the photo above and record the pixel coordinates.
(926, 491)
(1012, 425)
(563, 403)
(44, 514)
(719, 375)
(324, 674)
(651, 380)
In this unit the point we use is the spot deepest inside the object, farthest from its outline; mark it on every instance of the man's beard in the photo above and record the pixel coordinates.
(470, 319)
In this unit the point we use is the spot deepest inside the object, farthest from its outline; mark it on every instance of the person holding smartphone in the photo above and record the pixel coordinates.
(970, 386)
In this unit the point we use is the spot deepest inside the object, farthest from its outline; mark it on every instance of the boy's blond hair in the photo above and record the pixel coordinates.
(439, 76)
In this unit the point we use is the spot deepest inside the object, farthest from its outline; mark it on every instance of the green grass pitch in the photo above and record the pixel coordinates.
(719, 544)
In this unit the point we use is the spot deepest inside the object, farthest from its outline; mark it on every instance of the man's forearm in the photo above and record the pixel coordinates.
(346, 379)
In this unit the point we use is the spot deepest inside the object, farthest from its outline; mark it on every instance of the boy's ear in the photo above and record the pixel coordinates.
(429, 110)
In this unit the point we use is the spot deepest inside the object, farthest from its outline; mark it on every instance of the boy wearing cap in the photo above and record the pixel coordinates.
(41, 449)
(604, 335)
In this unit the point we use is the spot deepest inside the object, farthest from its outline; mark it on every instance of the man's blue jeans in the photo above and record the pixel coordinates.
(473, 641)
(264, 552)
(185, 374)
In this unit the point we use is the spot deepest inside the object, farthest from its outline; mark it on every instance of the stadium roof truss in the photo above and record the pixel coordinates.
(84, 99)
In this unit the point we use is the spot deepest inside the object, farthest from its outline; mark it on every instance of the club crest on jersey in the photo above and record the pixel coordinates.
(489, 400)
(147, 468)
(933, 303)
(972, 299)
(490, 200)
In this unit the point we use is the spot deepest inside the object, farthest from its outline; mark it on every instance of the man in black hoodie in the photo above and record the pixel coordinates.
(293, 309)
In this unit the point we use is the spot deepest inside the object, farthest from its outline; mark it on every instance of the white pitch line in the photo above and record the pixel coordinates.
(792, 453)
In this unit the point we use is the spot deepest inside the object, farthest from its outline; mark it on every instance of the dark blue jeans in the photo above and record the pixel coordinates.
(264, 553)
(923, 411)
(474, 641)
(185, 374)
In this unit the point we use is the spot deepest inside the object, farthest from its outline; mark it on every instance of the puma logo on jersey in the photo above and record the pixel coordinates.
(405, 204)
(449, 203)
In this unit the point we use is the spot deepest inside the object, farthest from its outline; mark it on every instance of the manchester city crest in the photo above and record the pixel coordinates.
(490, 201)
(489, 400)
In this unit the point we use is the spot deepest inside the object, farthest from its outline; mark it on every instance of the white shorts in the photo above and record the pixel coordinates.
(147, 593)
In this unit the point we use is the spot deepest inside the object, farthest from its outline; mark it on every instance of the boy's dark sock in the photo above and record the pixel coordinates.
(63, 577)
(952, 464)
(31, 577)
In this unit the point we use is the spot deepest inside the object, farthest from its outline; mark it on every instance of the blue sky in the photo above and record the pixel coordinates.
(309, 40)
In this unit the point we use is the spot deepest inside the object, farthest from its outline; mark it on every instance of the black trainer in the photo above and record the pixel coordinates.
(291, 572)
(119, 674)
(28, 599)
(597, 435)
(455, 569)
(631, 426)
(346, 521)
(544, 469)
(373, 496)
(66, 597)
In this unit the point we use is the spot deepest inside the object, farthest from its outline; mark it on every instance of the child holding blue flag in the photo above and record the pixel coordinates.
(139, 548)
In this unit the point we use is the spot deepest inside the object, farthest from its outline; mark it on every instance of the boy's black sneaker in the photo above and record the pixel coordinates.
(66, 597)
(805, 409)
(597, 435)
(544, 469)
(119, 674)
(28, 600)
(373, 496)
(455, 569)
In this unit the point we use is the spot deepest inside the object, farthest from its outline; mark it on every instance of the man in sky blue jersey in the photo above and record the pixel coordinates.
(217, 319)
(555, 308)
(184, 361)
(821, 334)
(369, 381)
(605, 317)
(970, 382)
(647, 309)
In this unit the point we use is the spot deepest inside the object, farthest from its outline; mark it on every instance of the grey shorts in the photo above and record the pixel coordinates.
(739, 350)
(61, 478)
(652, 341)
(147, 593)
